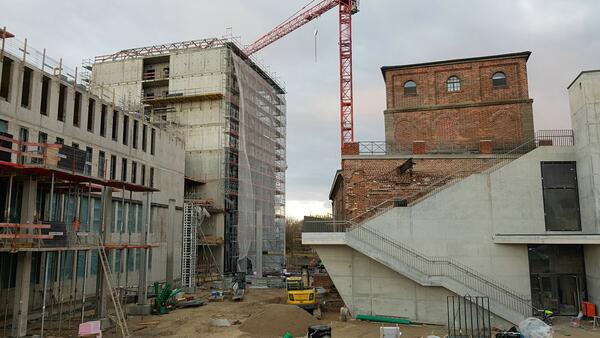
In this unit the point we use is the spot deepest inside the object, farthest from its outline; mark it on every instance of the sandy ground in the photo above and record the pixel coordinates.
(196, 322)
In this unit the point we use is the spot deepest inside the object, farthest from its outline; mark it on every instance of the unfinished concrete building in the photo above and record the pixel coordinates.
(232, 115)
(81, 179)
(465, 199)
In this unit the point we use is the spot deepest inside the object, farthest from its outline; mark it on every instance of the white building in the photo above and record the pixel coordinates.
(232, 116)
(76, 170)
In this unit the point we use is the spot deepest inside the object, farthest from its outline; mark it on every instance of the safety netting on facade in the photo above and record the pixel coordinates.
(261, 194)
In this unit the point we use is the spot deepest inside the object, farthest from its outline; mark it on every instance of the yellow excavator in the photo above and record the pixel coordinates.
(300, 292)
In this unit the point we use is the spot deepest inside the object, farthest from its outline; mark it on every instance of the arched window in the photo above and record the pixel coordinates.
(453, 84)
(499, 79)
(410, 88)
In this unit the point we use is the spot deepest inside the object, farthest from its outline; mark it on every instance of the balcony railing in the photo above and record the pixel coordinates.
(325, 226)
(173, 94)
(543, 138)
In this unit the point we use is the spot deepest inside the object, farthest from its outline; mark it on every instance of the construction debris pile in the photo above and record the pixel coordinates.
(331, 300)
(277, 319)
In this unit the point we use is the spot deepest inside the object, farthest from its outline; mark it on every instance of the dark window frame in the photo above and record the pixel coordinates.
(133, 172)
(5, 80)
(26, 87)
(23, 137)
(91, 115)
(152, 141)
(453, 84)
(145, 138)
(143, 175)
(499, 82)
(124, 169)
(125, 129)
(113, 167)
(410, 88)
(101, 164)
(45, 95)
(89, 155)
(151, 178)
(103, 113)
(134, 142)
(42, 139)
(115, 126)
(551, 185)
(77, 109)
(62, 102)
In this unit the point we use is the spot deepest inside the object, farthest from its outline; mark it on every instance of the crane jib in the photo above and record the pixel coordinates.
(308, 13)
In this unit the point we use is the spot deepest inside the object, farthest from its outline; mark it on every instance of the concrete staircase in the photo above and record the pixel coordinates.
(439, 271)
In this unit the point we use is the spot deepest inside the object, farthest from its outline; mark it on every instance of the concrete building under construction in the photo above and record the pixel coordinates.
(90, 198)
(232, 116)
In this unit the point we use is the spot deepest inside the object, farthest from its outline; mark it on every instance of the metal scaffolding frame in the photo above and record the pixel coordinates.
(189, 246)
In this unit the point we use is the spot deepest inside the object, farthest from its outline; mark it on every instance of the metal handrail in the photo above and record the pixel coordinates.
(445, 267)
(560, 137)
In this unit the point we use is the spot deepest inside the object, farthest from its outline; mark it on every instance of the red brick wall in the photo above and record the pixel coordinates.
(339, 211)
(370, 182)
(478, 111)
(504, 124)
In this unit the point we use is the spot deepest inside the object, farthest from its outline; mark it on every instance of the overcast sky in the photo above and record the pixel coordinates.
(564, 36)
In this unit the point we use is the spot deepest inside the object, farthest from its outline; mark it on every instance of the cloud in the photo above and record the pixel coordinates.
(297, 209)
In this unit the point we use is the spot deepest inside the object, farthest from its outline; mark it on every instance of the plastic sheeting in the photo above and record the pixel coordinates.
(261, 225)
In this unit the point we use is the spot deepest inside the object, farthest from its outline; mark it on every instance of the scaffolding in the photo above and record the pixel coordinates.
(199, 264)
(231, 111)
(261, 171)
(190, 246)
(51, 243)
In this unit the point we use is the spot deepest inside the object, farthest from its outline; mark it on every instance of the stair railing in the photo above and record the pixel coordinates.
(556, 137)
(444, 267)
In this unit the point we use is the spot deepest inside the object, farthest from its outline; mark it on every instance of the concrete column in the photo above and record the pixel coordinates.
(592, 270)
(101, 287)
(21, 300)
(143, 273)
(107, 216)
(171, 224)
(23, 274)
(28, 205)
(584, 98)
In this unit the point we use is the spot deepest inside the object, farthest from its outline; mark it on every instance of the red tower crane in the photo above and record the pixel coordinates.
(346, 9)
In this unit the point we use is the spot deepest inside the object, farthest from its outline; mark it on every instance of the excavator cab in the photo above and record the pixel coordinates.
(300, 292)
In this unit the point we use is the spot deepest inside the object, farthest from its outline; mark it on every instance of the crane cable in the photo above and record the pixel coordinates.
(316, 33)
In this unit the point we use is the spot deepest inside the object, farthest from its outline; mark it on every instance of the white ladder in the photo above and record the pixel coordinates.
(121, 321)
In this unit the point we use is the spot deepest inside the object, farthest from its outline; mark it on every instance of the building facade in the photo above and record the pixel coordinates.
(79, 172)
(232, 116)
(447, 105)
(444, 120)
(521, 230)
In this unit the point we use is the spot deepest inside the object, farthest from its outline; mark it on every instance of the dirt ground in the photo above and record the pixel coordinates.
(197, 322)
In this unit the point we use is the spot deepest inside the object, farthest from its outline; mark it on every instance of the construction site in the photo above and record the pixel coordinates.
(143, 194)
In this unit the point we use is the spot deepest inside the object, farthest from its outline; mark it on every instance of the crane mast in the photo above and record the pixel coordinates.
(346, 9)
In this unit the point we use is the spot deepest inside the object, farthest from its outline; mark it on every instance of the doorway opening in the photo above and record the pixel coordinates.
(557, 275)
